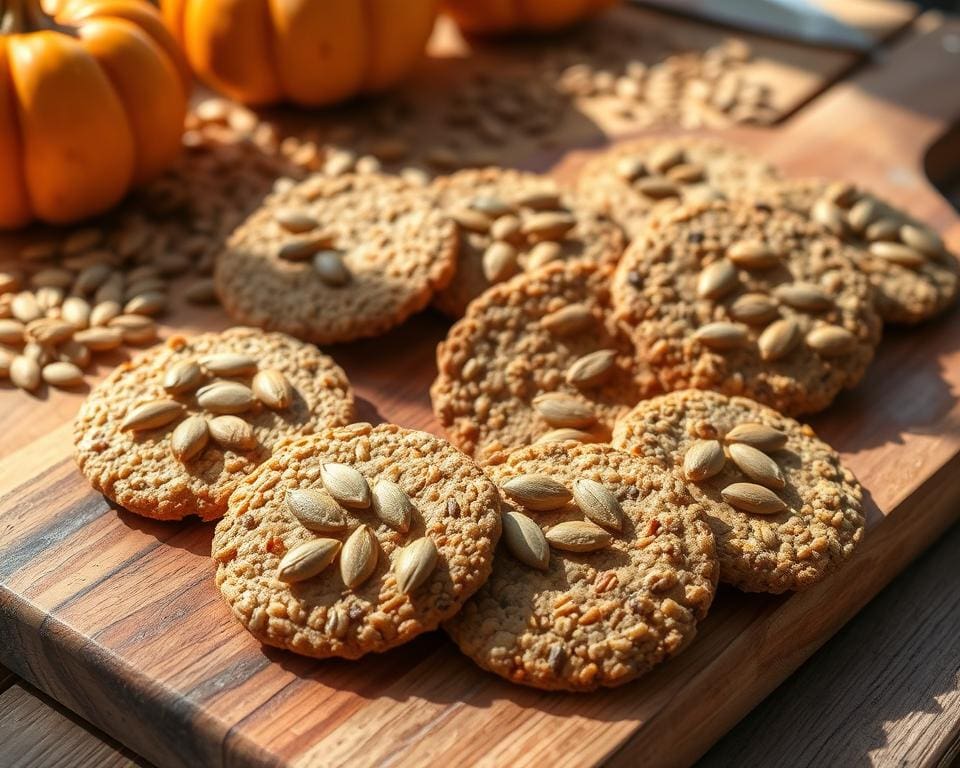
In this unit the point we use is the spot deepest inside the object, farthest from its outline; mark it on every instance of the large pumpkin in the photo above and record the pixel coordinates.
(501, 16)
(312, 52)
(92, 101)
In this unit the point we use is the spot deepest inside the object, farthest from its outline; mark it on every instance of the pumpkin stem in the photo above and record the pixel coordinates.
(18, 17)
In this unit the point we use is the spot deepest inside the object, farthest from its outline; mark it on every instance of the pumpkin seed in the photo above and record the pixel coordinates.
(100, 339)
(136, 329)
(656, 187)
(25, 308)
(273, 389)
(598, 503)
(540, 493)
(182, 376)
(301, 249)
(759, 436)
(549, 225)
(6, 360)
(525, 540)
(25, 373)
(703, 460)
(752, 254)
(294, 221)
(316, 510)
(687, 173)
(778, 339)
(805, 296)
(147, 285)
(48, 331)
(499, 262)
(62, 375)
(225, 397)
(331, 269)
(111, 290)
(831, 340)
(543, 253)
(829, 216)
(392, 505)
(862, 214)
(664, 157)
(40, 353)
(146, 303)
(560, 410)
(52, 277)
(76, 311)
(346, 485)
(415, 563)
(568, 320)
(491, 206)
(152, 414)
(229, 364)
(883, 229)
(898, 253)
(721, 335)
(592, 369)
(630, 168)
(750, 497)
(756, 465)
(189, 438)
(232, 433)
(471, 221)
(104, 312)
(538, 200)
(921, 239)
(566, 433)
(91, 278)
(307, 560)
(11, 332)
(359, 557)
(754, 309)
(507, 228)
(578, 536)
(48, 298)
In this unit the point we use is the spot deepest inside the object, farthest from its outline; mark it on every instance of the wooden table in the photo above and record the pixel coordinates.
(882, 689)
(137, 640)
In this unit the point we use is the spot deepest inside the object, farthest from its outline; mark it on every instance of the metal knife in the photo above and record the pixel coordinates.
(800, 20)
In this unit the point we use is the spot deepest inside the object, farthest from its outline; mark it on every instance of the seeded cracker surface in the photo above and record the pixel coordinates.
(903, 294)
(499, 357)
(791, 550)
(597, 618)
(655, 292)
(594, 237)
(137, 469)
(396, 245)
(694, 170)
(456, 506)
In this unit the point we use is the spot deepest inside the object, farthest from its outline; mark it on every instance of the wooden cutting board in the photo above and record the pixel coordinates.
(117, 617)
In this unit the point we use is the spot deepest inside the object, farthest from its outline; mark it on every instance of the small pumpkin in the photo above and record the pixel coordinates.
(503, 16)
(312, 52)
(93, 96)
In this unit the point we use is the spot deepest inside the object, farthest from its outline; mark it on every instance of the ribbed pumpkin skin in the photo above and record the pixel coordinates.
(92, 102)
(310, 52)
(493, 17)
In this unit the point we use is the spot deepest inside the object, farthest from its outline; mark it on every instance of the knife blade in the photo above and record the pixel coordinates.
(799, 20)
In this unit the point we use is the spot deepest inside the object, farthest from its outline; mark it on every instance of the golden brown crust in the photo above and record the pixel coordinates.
(791, 550)
(398, 248)
(500, 356)
(137, 469)
(456, 506)
(597, 618)
(656, 291)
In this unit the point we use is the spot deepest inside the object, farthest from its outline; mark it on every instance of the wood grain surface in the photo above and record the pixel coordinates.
(884, 691)
(36, 733)
(117, 617)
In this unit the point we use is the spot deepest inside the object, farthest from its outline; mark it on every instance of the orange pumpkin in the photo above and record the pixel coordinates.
(501, 16)
(312, 52)
(92, 101)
